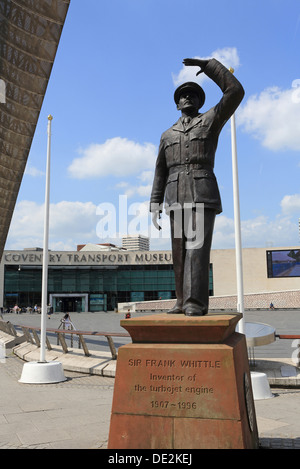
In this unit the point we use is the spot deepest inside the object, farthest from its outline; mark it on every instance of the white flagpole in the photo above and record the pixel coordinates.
(42, 371)
(237, 227)
(45, 249)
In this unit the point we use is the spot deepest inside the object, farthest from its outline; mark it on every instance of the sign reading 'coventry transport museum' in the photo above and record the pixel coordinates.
(89, 258)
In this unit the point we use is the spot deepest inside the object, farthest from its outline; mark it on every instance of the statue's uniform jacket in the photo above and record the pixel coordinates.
(186, 156)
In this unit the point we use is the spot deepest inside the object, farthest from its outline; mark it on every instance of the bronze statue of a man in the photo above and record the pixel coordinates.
(184, 177)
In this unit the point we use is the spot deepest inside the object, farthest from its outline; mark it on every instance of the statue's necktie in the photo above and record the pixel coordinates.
(186, 121)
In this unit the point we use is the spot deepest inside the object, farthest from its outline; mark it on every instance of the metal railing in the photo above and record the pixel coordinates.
(296, 354)
(31, 336)
(61, 338)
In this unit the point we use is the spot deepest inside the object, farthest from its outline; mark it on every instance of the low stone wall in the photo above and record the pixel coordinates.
(280, 300)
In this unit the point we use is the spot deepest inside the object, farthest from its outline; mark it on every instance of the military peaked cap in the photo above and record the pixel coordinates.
(192, 86)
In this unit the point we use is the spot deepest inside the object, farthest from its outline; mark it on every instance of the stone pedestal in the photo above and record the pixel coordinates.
(183, 383)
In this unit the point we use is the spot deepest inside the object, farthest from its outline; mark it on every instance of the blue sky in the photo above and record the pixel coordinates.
(111, 96)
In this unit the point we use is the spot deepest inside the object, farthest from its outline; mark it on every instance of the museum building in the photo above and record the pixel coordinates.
(100, 279)
(86, 280)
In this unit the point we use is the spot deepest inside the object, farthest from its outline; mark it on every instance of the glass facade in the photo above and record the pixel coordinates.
(105, 286)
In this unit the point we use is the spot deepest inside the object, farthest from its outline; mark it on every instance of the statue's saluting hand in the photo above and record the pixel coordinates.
(196, 63)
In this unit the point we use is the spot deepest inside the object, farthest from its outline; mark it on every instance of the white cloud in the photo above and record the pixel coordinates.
(291, 204)
(228, 56)
(223, 233)
(143, 189)
(34, 172)
(273, 118)
(260, 231)
(147, 176)
(282, 231)
(117, 157)
(73, 223)
(70, 223)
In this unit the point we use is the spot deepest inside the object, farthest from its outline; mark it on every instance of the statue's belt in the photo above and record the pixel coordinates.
(188, 167)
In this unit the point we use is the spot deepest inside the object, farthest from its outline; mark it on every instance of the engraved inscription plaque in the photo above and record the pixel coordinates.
(176, 381)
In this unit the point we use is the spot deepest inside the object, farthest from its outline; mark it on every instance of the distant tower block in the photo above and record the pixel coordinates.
(136, 243)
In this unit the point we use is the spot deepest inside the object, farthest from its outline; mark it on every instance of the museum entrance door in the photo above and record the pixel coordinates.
(68, 303)
(73, 304)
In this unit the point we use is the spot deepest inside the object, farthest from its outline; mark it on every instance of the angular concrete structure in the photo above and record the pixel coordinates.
(30, 31)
